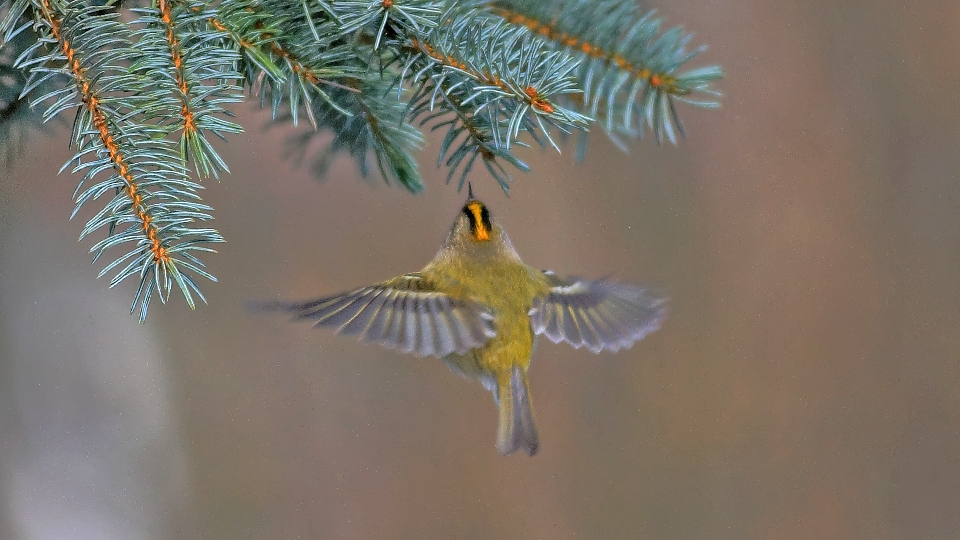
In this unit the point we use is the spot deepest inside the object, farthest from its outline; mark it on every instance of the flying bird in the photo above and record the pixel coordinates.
(478, 307)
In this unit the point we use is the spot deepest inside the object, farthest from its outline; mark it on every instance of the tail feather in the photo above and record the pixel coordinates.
(516, 430)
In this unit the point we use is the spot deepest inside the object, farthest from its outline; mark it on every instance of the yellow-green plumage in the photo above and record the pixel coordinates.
(491, 273)
(479, 307)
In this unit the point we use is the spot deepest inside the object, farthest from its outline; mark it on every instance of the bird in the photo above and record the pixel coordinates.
(479, 308)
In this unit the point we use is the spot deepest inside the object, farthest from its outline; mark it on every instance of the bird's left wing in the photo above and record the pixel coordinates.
(406, 313)
(596, 314)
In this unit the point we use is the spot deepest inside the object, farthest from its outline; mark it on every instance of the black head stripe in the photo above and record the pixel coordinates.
(473, 220)
(485, 218)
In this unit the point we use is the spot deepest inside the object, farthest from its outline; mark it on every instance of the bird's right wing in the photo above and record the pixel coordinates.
(597, 315)
(405, 313)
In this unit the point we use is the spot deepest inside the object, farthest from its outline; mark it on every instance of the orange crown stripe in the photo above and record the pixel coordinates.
(480, 231)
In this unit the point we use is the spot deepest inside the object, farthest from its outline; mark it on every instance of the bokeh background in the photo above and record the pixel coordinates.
(806, 384)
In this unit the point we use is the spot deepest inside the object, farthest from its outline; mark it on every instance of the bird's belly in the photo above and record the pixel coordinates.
(510, 347)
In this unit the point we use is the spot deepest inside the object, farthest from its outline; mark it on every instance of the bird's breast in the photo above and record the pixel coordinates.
(507, 289)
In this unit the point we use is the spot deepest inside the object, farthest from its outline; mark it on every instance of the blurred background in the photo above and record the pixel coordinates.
(806, 384)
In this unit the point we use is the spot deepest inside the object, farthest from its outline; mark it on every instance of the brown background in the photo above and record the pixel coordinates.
(804, 386)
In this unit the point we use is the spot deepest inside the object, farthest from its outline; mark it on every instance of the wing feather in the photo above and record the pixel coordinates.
(405, 313)
(361, 320)
(408, 335)
(571, 330)
(446, 342)
(597, 314)
(425, 344)
(552, 324)
(379, 317)
(591, 339)
(463, 331)
(397, 323)
(341, 312)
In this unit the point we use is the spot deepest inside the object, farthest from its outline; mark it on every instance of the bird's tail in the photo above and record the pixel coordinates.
(516, 430)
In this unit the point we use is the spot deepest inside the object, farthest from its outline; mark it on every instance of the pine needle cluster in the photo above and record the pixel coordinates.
(150, 87)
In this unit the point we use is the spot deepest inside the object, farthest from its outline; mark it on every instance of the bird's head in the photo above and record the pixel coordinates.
(474, 220)
(473, 224)
(475, 231)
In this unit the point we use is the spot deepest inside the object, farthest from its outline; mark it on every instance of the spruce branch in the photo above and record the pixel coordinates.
(377, 125)
(489, 82)
(149, 96)
(247, 31)
(510, 78)
(309, 64)
(154, 201)
(196, 75)
(630, 72)
(17, 120)
(393, 17)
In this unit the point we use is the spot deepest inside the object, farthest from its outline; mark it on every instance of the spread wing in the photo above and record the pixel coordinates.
(596, 314)
(405, 313)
